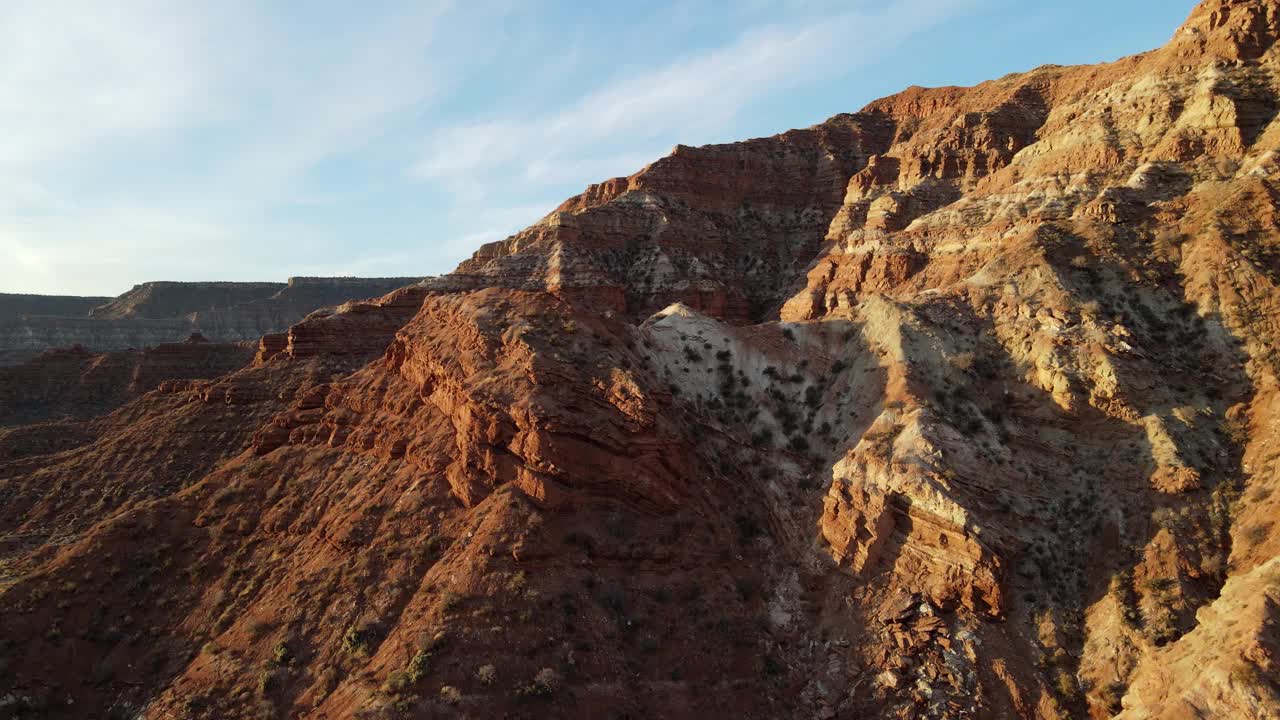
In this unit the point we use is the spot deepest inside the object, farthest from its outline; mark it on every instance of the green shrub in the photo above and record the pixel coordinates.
(450, 695)
(281, 654)
(418, 666)
(357, 641)
(543, 684)
(1067, 685)
(265, 680)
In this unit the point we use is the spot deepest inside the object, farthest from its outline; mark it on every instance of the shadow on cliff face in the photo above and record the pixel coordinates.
(1174, 461)
(1109, 481)
(1160, 380)
(76, 383)
(1032, 481)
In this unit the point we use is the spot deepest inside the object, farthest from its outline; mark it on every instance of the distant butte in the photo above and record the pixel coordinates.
(160, 312)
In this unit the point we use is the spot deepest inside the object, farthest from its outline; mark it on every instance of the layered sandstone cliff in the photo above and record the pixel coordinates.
(161, 312)
(13, 306)
(78, 383)
(961, 406)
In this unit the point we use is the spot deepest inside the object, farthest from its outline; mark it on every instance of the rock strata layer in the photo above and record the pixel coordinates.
(163, 312)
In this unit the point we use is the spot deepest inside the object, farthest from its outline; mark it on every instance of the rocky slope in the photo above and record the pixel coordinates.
(726, 229)
(163, 312)
(961, 406)
(78, 383)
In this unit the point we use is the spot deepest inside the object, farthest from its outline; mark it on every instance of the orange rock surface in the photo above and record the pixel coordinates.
(961, 406)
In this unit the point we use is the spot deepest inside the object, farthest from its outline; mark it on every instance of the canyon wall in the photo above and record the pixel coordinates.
(13, 306)
(964, 405)
(74, 382)
(161, 312)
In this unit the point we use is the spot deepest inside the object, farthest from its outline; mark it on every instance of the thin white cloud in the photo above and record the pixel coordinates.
(220, 98)
(74, 73)
(691, 97)
(150, 139)
(339, 104)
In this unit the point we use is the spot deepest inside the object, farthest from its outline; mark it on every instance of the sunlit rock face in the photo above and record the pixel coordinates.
(960, 406)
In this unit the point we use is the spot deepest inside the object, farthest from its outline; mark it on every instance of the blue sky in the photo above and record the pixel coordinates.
(253, 141)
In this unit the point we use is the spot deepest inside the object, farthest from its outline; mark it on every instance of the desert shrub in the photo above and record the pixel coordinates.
(1111, 696)
(1161, 621)
(1121, 591)
(1066, 684)
(812, 396)
(280, 654)
(486, 675)
(357, 641)
(266, 679)
(1258, 533)
(517, 583)
(542, 685)
(1165, 518)
(1163, 626)
(419, 665)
